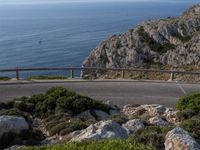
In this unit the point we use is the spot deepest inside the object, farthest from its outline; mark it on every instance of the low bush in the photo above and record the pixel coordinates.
(57, 100)
(184, 39)
(56, 108)
(153, 44)
(47, 78)
(118, 119)
(73, 126)
(185, 114)
(26, 137)
(129, 144)
(152, 135)
(192, 126)
(15, 112)
(190, 102)
(4, 78)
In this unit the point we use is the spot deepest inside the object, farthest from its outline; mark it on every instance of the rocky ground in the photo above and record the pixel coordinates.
(64, 116)
(171, 43)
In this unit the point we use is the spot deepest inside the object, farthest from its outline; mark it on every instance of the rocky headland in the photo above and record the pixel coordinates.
(171, 43)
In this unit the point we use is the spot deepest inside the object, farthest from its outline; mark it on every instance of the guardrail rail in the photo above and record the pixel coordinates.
(88, 69)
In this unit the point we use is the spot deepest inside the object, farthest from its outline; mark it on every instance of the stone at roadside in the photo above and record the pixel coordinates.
(12, 124)
(112, 106)
(16, 147)
(158, 121)
(100, 115)
(133, 126)
(149, 111)
(86, 115)
(117, 113)
(102, 130)
(171, 116)
(179, 139)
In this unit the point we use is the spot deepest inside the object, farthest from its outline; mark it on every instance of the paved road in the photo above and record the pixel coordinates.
(119, 93)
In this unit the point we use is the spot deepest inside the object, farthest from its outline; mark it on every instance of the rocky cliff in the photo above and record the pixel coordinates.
(168, 42)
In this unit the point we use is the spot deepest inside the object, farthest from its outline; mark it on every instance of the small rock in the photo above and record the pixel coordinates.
(112, 106)
(158, 121)
(102, 130)
(154, 109)
(133, 111)
(101, 115)
(12, 124)
(86, 115)
(149, 111)
(117, 113)
(50, 140)
(171, 116)
(133, 125)
(179, 139)
(16, 147)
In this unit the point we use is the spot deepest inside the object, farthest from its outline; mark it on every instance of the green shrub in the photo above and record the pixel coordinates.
(66, 127)
(198, 28)
(185, 114)
(26, 137)
(190, 102)
(73, 126)
(4, 78)
(47, 78)
(55, 107)
(154, 45)
(129, 144)
(15, 112)
(184, 39)
(152, 135)
(118, 45)
(8, 105)
(26, 107)
(118, 119)
(192, 126)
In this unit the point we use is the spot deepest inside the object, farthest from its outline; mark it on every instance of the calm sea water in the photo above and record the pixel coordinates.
(62, 35)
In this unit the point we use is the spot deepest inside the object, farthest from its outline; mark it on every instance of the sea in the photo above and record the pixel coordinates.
(64, 34)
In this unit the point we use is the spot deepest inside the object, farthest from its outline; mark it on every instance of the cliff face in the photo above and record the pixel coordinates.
(171, 41)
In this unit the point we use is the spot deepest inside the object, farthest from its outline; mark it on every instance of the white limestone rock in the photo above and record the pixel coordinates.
(158, 121)
(150, 111)
(133, 126)
(179, 139)
(101, 130)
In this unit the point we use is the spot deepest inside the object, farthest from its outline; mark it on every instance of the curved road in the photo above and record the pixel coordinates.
(118, 92)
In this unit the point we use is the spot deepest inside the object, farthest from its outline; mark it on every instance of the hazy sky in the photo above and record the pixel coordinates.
(10, 2)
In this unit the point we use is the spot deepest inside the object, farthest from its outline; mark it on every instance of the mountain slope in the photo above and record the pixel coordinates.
(169, 42)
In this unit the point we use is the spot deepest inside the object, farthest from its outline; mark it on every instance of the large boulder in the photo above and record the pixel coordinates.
(179, 139)
(12, 124)
(101, 130)
(133, 126)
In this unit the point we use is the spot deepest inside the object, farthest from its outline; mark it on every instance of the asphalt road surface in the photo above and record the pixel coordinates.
(119, 93)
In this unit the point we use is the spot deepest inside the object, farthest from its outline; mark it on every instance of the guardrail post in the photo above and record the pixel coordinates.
(123, 74)
(72, 73)
(17, 73)
(171, 76)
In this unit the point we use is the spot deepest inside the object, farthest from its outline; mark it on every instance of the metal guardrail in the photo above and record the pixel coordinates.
(122, 70)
